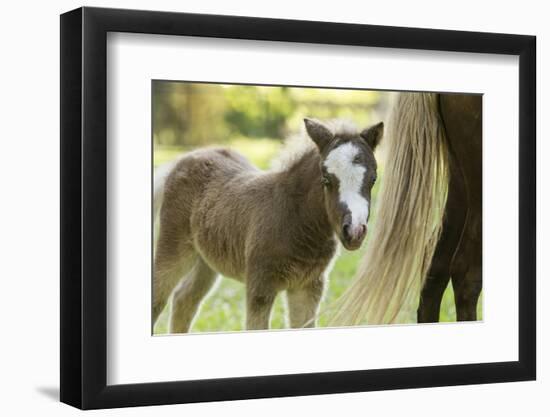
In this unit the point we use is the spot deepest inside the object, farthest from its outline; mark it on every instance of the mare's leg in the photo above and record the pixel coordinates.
(439, 273)
(467, 274)
(462, 117)
(188, 296)
(174, 258)
(303, 304)
(430, 298)
(467, 287)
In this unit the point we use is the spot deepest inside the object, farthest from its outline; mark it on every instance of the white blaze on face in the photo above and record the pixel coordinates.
(339, 162)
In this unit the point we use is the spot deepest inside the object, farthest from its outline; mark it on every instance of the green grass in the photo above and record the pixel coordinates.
(259, 151)
(224, 308)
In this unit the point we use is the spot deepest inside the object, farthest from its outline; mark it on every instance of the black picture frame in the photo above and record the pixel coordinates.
(84, 207)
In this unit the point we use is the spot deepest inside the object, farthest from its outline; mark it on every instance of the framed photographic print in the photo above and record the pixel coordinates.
(257, 207)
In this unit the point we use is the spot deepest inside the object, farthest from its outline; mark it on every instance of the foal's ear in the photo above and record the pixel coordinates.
(318, 132)
(373, 134)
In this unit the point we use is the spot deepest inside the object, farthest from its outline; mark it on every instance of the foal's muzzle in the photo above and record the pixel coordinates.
(353, 235)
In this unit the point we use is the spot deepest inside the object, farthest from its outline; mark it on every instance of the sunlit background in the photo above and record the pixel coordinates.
(254, 120)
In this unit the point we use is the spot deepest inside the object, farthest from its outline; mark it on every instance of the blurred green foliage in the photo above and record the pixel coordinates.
(258, 111)
(190, 114)
(187, 113)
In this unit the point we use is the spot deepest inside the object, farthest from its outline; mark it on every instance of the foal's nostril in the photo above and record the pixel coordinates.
(354, 234)
(345, 229)
(362, 232)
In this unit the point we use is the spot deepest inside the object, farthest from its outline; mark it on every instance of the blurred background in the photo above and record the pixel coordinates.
(254, 120)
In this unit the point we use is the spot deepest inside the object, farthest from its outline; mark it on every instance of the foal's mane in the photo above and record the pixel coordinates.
(296, 146)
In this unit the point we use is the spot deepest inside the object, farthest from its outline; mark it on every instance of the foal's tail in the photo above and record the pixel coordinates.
(410, 213)
(160, 175)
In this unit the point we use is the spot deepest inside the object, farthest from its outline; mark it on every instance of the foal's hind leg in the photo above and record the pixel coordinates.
(303, 304)
(188, 296)
(173, 259)
(168, 272)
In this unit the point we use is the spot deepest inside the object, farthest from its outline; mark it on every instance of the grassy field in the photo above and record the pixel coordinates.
(224, 308)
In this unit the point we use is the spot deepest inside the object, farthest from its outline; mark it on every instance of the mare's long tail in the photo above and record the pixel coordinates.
(410, 211)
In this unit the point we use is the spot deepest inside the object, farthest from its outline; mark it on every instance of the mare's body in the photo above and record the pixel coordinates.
(458, 253)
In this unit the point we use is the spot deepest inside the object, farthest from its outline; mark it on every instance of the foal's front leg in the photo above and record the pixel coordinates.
(303, 304)
(260, 296)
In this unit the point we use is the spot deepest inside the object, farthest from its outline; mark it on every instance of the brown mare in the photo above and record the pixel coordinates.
(274, 231)
(429, 223)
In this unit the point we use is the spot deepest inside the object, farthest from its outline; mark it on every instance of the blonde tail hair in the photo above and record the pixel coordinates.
(410, 212)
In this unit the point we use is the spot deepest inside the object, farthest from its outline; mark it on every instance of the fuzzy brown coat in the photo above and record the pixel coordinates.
(271, 230)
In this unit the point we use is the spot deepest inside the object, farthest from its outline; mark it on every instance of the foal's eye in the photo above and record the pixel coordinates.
(357, 160)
